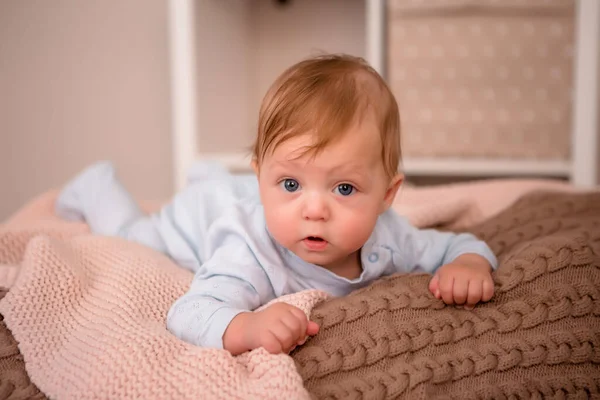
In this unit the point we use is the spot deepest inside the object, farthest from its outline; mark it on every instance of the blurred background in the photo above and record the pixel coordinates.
(486, 87)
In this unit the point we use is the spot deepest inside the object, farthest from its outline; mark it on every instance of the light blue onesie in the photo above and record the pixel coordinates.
(216, 228)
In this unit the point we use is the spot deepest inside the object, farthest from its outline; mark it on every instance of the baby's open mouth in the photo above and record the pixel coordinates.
(315, 243)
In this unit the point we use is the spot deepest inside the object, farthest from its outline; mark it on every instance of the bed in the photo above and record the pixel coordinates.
(83, 315)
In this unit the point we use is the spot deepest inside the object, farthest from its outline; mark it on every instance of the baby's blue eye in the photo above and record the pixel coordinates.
(345, 189)
(291, 185)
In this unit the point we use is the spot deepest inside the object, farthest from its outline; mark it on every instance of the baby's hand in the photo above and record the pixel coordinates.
(465, 281)
(278, 328)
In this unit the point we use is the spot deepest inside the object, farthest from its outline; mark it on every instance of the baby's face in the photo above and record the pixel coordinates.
(324, 207)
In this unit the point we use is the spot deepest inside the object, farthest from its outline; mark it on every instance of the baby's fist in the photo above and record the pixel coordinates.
(278, 329)
(281, 327)
(465, 282)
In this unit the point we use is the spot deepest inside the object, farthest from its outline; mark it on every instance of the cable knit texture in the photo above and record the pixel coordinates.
(88, 314)
(538, 338)
(14, 381)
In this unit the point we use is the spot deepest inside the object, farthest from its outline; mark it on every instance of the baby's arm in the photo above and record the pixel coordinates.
(461, 263)
(216, 310)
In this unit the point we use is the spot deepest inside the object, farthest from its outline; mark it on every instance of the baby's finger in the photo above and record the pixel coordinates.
(474, 296)
(284, 335)
(488, 290)
(301, 318)
(312, 328)
(296, 327)
(447, 289)
(434, 286)
(460, 290)
(271, 343)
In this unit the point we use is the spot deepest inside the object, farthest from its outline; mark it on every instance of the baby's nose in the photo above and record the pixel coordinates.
(315, 208)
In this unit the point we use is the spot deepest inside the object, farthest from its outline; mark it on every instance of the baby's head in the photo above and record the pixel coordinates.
(327, 156)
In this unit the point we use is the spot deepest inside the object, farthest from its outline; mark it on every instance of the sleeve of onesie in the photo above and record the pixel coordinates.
(428, 249)
(230, 282)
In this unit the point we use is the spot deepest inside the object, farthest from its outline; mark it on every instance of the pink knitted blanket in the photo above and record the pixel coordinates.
(88, 311)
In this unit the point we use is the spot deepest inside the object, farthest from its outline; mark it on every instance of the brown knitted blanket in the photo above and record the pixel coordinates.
(538, 338)
(14, 381)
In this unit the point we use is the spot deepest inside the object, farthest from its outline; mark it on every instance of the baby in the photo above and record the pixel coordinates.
(316, 215)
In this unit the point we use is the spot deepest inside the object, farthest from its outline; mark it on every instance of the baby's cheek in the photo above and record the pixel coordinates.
(355, 230)
(279, 224)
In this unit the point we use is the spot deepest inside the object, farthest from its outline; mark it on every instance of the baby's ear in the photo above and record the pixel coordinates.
(391, 191)
(254, 165)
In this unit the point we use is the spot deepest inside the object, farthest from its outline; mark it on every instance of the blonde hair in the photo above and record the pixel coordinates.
(325, 95)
